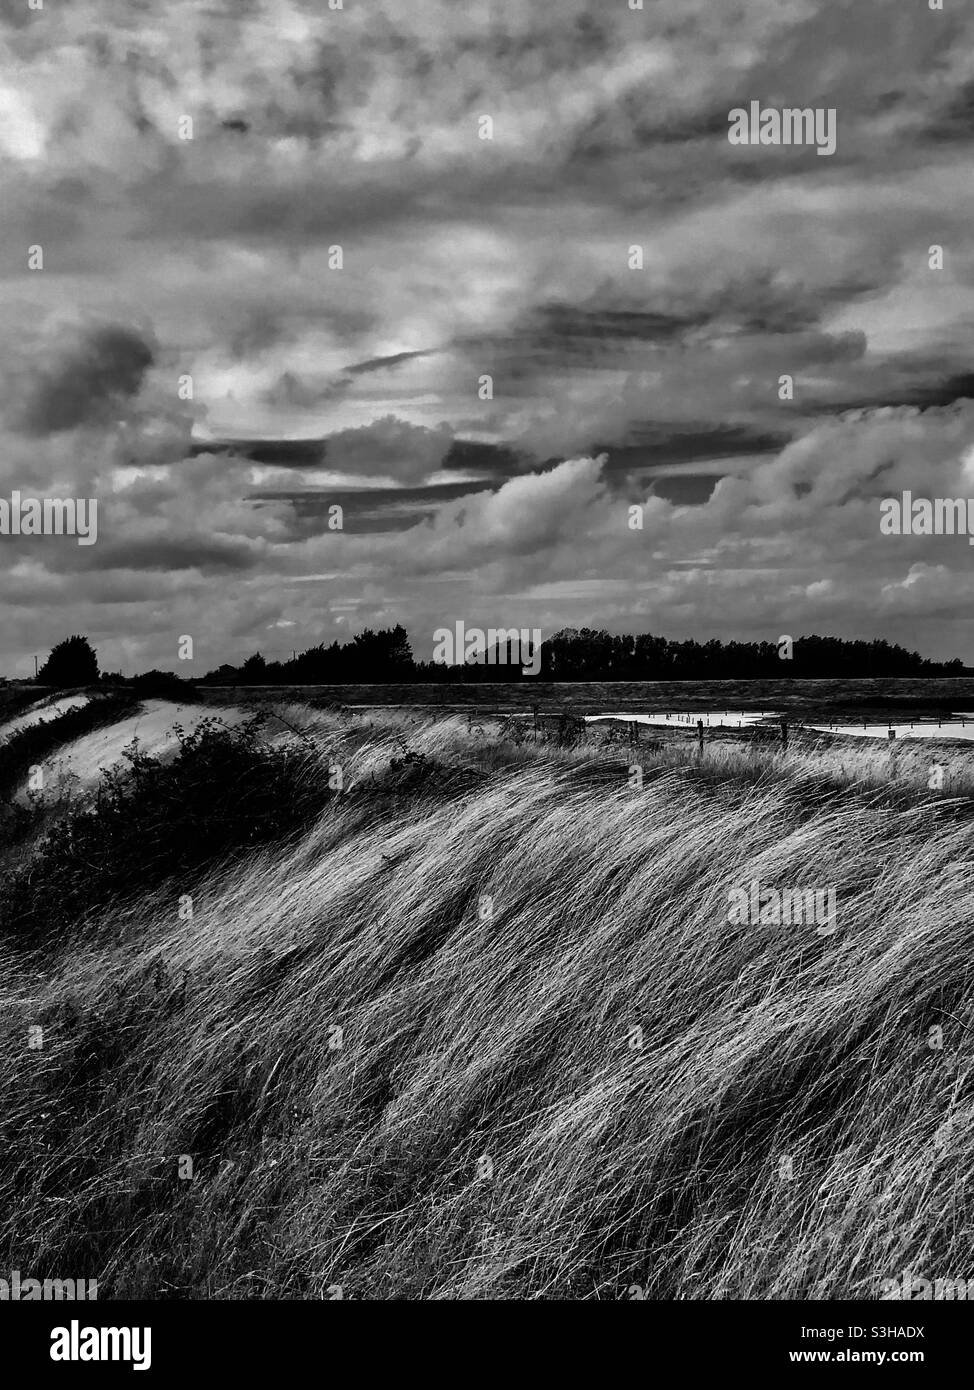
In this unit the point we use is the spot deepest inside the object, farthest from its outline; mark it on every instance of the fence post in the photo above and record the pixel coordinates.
(784, 735)
(700, 735)
(536, 725)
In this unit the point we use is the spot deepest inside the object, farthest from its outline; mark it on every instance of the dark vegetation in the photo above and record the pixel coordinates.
(72, 662)
(152, 819)
(588, 655)
(571, 655)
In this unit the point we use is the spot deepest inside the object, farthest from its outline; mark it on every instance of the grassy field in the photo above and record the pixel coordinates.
(395, 1006)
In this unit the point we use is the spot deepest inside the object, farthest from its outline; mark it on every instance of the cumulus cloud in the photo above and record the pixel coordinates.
(212, 257)
(389, 447)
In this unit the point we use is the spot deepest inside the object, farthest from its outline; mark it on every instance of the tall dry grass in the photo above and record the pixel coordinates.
(481, 1029)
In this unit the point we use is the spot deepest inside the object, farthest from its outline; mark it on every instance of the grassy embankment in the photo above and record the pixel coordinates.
(559, 1070)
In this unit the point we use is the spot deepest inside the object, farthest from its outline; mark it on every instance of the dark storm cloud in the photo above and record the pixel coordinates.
(959, 387)
(368, 510)
(16, 13)
(281, 453)
(573, 326)
(106, 364)
(954, 123)
(681, 130)
(462, 455)
(925, 396)
(490, 460)
(378, 364)
(210, 555)
(656, 444)
(596, 331)
(761, 304)
(684, 490)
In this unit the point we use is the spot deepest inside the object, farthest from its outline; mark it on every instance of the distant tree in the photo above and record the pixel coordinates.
(72, 662)
(377, 656)
(252, 671)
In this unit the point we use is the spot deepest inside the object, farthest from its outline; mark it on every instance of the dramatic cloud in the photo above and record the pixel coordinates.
(390, 447)
(81, 382)
(282, 270)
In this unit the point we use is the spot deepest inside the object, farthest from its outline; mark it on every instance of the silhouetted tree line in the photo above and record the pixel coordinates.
(370, 657)
(385, 657)
(589, 655)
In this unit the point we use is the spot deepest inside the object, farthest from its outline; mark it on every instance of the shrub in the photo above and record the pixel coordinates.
(151, 818)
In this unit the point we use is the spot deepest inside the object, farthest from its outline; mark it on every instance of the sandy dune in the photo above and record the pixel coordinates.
(80, 763)
(42, 710)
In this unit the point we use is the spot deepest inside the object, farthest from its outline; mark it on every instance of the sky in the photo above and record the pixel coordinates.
(619, 379)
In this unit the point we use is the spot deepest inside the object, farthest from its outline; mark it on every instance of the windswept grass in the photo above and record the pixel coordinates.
(477, 1026)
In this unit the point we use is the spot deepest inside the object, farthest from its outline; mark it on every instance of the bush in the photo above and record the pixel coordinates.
(153, 818)
(164, 685)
